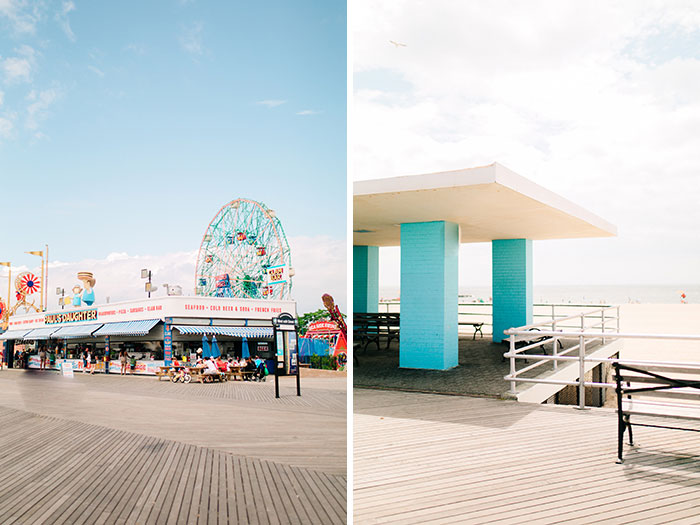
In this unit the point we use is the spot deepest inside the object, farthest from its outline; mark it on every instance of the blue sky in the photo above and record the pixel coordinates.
(136, 121)
(125, 126)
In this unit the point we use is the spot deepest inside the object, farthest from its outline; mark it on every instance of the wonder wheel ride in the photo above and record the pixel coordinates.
(244, 254)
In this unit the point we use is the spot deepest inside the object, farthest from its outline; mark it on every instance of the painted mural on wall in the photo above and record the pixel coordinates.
(85, 294)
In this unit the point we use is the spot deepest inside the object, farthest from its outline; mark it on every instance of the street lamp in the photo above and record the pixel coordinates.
(146, 274)
(60, 291)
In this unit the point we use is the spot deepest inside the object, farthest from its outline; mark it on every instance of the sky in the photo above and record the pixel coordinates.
(596, 101)
(125, 126)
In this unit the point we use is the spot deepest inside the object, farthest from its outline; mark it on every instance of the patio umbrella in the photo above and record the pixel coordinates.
(246, 352)
(206, 352)
(214, 347)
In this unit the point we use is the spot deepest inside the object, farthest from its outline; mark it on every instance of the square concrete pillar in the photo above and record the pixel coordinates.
(365, 279)
(511, 285)
(429, 281)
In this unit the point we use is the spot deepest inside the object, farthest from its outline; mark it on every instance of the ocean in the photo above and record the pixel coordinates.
(584, 294)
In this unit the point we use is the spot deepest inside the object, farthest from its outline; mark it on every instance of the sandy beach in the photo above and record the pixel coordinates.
(673, 319)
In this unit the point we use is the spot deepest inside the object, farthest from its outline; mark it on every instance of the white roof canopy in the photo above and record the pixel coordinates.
(488, 203)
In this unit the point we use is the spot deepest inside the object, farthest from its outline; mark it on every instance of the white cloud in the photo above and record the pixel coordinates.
(6, 127)
(595, 102)
(308, 112)
(19, 68)
(39, 104)
(62, 19)
(22, 16)
(191, 39)
(98, 72)
(319, 262)
(272, 103)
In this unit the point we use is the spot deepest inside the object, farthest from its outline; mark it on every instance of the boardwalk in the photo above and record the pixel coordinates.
(422, 458)
(128, 450)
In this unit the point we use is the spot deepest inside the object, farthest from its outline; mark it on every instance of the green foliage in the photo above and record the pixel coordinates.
(324, 362)
(311, 317)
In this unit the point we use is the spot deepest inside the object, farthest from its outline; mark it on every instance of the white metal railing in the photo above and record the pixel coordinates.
(483, 312)
(602, 329)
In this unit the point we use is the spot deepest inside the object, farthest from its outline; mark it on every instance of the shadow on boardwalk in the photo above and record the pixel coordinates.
(480, 371)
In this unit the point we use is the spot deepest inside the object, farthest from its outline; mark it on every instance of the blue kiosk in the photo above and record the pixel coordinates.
(429, 216)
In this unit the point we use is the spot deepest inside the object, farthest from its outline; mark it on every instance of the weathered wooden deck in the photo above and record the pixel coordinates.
(130, 450)
(422, 458)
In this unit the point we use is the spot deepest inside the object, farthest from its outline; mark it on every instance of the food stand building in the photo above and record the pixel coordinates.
(155, 330)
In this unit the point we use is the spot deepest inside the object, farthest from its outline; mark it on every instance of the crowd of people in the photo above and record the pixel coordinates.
(213, 366)
(216, 366)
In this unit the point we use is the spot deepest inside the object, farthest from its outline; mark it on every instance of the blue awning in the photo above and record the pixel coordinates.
(71, 332)
(14, 334)
(245, 331)
(127, 328)
(39, 334)
(231, 331)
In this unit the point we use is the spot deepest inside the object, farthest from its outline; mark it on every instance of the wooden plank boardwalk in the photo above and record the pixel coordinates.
(62, 471)
(422, 458)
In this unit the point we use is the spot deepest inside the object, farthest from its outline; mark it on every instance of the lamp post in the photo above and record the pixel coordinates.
(9, 289)
(60, 291)
(146, 274)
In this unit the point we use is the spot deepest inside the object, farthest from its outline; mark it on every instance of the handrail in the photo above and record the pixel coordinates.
(547, 333)
(481, 310)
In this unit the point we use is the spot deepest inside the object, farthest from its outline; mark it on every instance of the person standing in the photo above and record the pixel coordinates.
(123, 361)
(42, 358)
(87, 361)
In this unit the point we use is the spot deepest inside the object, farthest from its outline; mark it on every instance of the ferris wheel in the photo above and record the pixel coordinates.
(244, 254)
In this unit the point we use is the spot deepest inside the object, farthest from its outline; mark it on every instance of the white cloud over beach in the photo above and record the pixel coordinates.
(319, 262)
(596, 101)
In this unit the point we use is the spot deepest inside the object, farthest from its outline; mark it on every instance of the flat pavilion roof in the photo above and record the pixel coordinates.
(489, 202)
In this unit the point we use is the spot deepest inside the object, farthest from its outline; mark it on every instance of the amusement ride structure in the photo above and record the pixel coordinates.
(245, 254)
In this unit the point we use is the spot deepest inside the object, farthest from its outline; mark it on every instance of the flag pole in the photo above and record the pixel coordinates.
(45, 289)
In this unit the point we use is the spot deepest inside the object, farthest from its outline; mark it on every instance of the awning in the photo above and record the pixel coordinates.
(71, 332)
(14, 334)
(39, 334)
(127, 328)
(231, 331)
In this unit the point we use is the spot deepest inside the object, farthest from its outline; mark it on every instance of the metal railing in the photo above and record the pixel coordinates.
(602, 329)
(483, 312)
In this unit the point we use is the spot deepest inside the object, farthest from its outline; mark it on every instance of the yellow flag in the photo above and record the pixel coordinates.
(40, 254)
(5, 264)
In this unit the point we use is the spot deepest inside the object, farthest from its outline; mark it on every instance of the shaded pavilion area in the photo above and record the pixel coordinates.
(429, 216)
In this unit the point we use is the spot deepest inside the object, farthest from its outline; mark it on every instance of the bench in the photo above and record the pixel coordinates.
(370, 328)
(477, 328)
(199, 375)
(635, 381)
(239, 373)
(164, 372)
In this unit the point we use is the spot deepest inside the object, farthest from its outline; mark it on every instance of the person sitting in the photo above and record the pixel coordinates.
(260, 370)
(250, 367)
(221, 364)
(211, 369)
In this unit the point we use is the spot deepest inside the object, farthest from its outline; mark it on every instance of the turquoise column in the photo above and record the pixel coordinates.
(429, 281)
(511, 285)
(365, 279)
